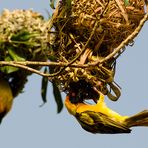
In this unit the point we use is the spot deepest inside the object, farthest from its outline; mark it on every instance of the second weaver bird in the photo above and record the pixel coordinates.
(99, 118)
(6, 98)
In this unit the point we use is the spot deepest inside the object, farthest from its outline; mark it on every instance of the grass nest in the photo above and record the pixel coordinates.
(84, 33)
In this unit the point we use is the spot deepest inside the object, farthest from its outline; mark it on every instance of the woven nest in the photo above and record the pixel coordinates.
(116, 21)
(23, 37)
(87, 31)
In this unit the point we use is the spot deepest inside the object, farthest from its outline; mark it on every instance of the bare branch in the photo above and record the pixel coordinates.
(24, 65)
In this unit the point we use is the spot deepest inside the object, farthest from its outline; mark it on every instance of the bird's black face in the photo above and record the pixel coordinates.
(81, 91)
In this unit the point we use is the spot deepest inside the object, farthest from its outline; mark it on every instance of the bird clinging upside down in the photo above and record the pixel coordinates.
(6, 98)
(99, 118)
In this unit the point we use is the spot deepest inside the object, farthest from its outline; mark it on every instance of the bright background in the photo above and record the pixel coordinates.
(29, 126)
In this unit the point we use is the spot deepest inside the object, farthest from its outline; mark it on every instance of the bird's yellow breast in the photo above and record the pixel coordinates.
(100, 107)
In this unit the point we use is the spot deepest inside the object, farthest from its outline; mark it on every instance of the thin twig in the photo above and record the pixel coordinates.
(60, 64)
(36, 63)
(10, 63)
(23, 65)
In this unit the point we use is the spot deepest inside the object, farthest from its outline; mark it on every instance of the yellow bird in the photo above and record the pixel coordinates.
(6, 98)
(99, 118)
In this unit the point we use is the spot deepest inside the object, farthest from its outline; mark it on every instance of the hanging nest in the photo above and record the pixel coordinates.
(23, 37)
(115, 19)
(86, 32)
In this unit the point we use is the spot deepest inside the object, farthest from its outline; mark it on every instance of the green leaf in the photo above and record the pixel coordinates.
(126, 2)
(8, 69)
(44, 87)
(14, 55)
(52, 4)
(22, 36)
(52, 58)
(56, 92)
(116, 91)
(68, 4)
(58, 98)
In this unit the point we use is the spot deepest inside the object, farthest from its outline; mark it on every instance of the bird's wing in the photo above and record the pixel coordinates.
(96, 122)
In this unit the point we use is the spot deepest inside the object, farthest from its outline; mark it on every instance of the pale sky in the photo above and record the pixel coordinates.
(29, 126)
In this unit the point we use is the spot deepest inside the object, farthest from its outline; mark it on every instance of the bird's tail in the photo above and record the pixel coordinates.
(140, 119)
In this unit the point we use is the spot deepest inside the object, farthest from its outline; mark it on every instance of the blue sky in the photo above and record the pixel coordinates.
(28, 125)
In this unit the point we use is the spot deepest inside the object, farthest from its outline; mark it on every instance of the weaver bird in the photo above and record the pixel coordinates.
(6, 98)
(99, 118)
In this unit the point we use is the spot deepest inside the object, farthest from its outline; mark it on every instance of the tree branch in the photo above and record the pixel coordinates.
(24, 65)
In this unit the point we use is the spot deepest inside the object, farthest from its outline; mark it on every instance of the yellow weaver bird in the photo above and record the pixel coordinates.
(6, 98)
(99, 118)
